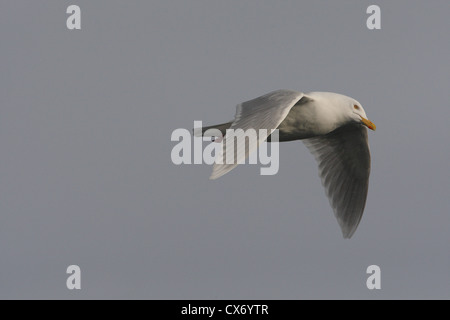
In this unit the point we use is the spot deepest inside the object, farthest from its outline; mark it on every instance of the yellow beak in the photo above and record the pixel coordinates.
(369, 124)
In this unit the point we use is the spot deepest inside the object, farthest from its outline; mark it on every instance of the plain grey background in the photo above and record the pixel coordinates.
(86, 176)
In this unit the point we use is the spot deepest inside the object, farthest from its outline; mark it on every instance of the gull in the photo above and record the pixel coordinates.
(334, 129)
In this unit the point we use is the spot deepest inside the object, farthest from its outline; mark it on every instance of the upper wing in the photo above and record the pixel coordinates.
(344, 167)
(265, 112)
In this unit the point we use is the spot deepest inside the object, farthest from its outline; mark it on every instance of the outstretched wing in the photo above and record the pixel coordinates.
(265, 112)
(344, 167)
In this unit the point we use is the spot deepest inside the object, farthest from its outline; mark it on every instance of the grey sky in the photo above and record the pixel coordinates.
(86, 176)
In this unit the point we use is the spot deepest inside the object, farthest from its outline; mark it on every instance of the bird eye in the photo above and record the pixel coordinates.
(356, 107)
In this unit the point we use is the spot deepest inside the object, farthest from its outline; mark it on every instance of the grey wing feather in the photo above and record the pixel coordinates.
(265, 112)
(343, 157)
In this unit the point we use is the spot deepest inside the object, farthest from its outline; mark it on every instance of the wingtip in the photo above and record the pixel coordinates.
(348, 234)
(216, 175)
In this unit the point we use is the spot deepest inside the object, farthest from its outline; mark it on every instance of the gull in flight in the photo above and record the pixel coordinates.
(334, 129)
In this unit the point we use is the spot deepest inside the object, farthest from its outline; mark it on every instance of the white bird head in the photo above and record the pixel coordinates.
(336, 109)
(358, 115)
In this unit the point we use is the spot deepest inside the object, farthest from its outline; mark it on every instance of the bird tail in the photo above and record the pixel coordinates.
(201, 132)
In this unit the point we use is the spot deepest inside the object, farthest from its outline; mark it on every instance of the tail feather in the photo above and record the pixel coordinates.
(200, 132)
